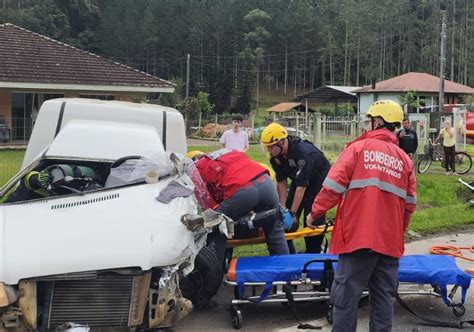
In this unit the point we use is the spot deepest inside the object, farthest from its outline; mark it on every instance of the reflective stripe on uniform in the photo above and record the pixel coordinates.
(219, 153)
(410, 200)
(331, 184)
(374, 182)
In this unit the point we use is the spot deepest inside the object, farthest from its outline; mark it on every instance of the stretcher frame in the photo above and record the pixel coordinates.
(318, 292)
(304, 232)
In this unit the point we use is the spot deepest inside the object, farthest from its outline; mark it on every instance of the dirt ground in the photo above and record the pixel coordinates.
(277, 317)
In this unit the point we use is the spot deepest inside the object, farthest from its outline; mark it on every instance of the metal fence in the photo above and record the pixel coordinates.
(332, 133)
(328, 133)
(15, 129)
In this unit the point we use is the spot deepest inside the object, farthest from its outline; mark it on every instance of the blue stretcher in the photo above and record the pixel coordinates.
(316, 272)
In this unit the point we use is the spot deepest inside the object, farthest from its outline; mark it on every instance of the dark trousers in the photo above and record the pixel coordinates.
(449, 152)
(355, 271)
(313, 244)
(258, 196)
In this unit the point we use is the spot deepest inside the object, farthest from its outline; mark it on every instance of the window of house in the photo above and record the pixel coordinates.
(25, 108)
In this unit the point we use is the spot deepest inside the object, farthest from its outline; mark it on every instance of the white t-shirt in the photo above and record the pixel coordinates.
(235, 140)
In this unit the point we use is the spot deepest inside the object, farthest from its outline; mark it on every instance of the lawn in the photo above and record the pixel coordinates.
(10, 162)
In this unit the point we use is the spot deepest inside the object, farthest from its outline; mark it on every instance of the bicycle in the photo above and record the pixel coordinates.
(462, 160)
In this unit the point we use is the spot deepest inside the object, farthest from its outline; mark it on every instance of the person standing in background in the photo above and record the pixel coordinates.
(449, 142)
(235, 138)
(408, 140)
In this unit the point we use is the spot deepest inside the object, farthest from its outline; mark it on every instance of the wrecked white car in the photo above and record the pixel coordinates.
(91, 230)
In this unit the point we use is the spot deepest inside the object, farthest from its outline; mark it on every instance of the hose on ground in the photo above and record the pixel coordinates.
(455, 251)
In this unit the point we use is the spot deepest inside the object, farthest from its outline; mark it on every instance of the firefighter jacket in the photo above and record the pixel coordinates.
(374, 185)
(226, 171)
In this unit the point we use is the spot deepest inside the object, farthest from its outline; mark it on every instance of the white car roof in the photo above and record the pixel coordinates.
(107, 140)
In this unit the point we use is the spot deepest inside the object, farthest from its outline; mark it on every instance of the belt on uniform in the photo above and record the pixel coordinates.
(260, 178)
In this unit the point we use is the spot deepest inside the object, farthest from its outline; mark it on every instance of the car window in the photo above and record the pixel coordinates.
(7, 187)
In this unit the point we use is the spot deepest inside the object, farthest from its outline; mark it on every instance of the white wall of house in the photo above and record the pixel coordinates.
(366, 99)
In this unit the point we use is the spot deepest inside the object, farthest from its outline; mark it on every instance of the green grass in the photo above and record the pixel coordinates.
(441, 204)
(10, 163)
(470, 149)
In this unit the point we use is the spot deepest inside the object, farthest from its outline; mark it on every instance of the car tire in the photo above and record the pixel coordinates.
(203, 282)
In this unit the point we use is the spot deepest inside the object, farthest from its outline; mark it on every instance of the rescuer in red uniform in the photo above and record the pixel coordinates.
(239, 185)
(373, 183)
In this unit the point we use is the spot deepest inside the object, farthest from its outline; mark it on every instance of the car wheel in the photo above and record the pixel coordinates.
(203, 282)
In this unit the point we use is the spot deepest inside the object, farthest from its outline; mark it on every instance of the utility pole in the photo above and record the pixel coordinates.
(188, 57)
(258, 87)
(442, 62)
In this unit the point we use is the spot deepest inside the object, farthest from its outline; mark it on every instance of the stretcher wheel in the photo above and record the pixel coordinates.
(459, 310)
(236, 315)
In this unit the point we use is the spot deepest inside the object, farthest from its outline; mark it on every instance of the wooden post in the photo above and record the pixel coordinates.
(317, 130)
(306, 114)
(215, 126)
(324, 126)
(353, 122)
(297, 124)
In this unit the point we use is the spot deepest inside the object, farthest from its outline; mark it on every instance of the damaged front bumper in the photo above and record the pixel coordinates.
(166, 304)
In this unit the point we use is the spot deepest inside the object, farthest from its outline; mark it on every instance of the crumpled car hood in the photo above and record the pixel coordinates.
(121, 227)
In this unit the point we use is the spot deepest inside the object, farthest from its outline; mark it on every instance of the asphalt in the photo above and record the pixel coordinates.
(277, 317)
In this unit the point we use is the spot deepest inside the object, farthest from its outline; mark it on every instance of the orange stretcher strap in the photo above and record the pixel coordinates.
(304, 232)
(231, 269)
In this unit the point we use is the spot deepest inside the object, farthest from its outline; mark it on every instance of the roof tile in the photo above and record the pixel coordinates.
(26, 56)
(419, 82)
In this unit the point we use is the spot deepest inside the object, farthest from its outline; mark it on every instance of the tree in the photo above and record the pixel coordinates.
(304, 43)
(246, 57)
(205, 106)
(409, 101)
(255, 38)
(175, 98)
(46, 18)
(243, 100)
(83, 17)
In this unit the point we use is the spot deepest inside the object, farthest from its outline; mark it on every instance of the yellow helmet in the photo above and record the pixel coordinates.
(195, 154)
(388, 110)
(272, 134)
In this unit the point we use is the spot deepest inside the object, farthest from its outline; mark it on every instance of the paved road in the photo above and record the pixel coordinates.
(276, 317)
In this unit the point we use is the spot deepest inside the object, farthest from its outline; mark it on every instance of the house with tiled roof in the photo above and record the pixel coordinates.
(35, 68)
(425, 86)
